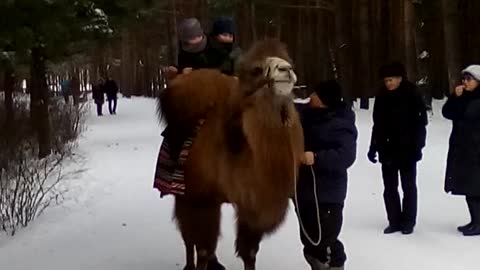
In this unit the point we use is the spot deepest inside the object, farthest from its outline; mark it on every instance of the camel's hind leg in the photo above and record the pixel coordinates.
(184, 222)
(207, 233)
(199, 222)
(247, 244)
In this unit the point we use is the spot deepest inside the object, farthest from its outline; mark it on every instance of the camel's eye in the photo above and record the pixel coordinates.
(257, 71)
(283, 69)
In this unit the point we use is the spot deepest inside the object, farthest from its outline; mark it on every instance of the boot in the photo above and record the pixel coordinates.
(213, 264)
(316, 264)
(474, 230)
(337, 268)
(392, 229)
(474, 208)
(465, 227)
(407, 230)
(471, 211)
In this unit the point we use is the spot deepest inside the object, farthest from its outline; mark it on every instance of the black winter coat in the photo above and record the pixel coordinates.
(98, 93)
(215, 55)
(463, 161)
(211, 57)
(399, 124)
(331, 136)
(193, 60)
(223, 56)
(111, 89)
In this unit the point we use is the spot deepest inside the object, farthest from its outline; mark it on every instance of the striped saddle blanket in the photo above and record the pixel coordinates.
(169, 173)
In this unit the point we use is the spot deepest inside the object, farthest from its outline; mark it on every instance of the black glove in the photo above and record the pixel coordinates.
(372, 155)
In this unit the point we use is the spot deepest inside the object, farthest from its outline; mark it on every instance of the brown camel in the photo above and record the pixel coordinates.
(246, 153)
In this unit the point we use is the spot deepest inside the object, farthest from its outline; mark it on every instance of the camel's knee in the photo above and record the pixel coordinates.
(208, 226)
(203, 258)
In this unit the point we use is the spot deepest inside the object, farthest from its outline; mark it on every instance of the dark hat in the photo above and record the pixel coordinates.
(189, 29)
(394, 69)
(223, 25)
(329, 92)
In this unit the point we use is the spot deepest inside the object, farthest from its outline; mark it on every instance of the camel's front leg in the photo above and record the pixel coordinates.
(247, 244)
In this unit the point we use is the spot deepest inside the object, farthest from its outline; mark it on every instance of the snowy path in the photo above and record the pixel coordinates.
(115, 220)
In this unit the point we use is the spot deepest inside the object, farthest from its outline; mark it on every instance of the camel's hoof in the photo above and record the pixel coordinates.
(215, 265)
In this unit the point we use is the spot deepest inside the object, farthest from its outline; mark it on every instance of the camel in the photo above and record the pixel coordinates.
(246, 153)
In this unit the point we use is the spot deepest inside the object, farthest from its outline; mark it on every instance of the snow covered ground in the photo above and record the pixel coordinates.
(113, 219)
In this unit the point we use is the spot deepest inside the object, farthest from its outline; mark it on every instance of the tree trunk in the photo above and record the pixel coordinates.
(202, 12)
(379, 32)
(469, 31)
(246, 22)
(452, 41)
(299, 55)
(172, 34)
(422, 55)
(148, 70)
(134, 65)
(343, 42)
(8, 86)
(276, 28)
(410, 46)
(187, 8)
(434, 26)
(397, 31)
(363, 60)
(329, 21)
(127, 75)
(39, 100)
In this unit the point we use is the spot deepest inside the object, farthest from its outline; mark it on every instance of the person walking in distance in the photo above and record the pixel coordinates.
(98, 95)
(111, 89)
(75, 89)
(398, 136)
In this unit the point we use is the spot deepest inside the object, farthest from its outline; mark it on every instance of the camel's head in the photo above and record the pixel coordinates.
(267, 62)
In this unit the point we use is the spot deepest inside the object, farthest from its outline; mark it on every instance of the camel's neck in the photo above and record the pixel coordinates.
(267, 159)
(267, 126)
(272, 109)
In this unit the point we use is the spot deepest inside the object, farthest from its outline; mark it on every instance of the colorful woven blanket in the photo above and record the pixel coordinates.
(169, 173)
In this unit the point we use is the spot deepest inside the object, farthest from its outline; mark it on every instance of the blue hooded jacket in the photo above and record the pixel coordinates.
(331, 135)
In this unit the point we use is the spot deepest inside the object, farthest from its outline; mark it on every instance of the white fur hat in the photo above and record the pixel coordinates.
(473, 70)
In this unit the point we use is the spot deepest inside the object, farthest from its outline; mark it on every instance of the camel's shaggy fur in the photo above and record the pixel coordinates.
(246, 153)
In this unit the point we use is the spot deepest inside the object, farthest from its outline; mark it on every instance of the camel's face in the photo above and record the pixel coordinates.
(280, 73)
(267, 63)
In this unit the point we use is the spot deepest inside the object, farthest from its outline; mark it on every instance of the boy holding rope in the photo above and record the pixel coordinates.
(330, 145)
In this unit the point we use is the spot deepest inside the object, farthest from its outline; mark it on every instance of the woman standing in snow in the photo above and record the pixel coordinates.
(463, 162)
(330, 145)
